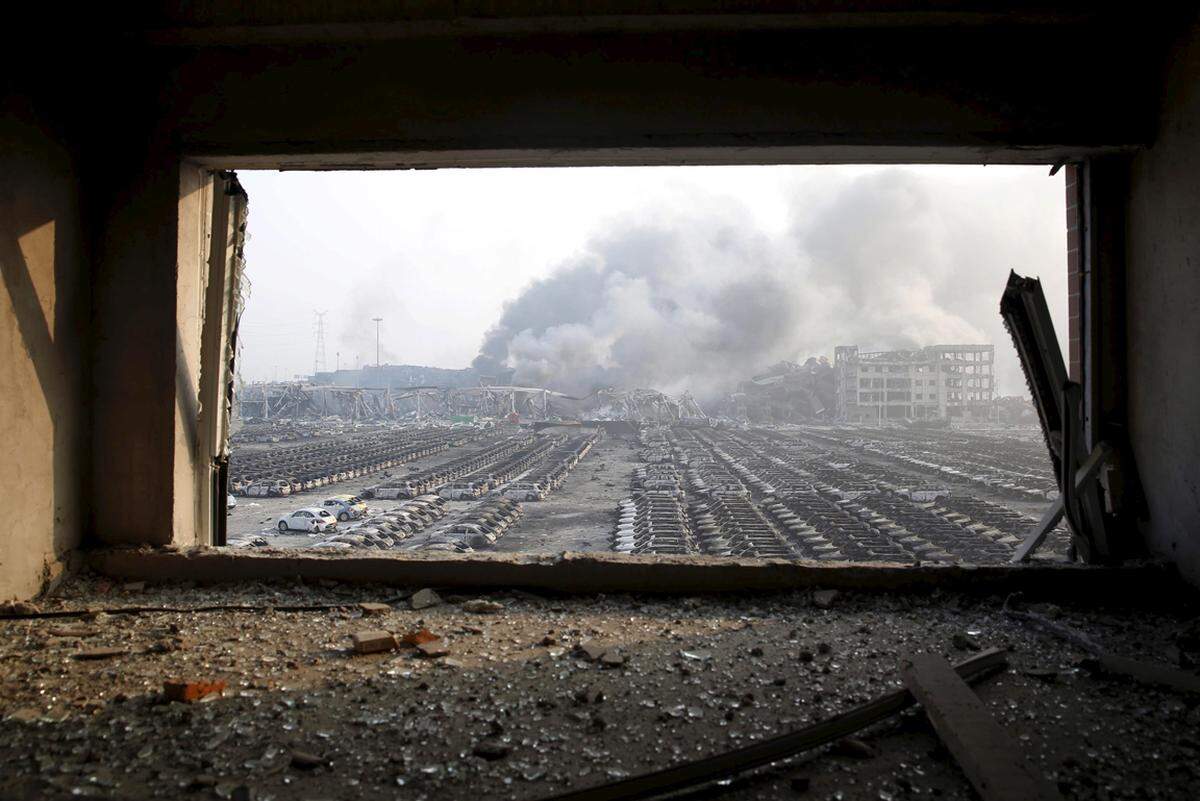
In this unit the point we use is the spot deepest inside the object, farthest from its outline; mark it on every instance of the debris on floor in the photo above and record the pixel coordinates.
(556, 694)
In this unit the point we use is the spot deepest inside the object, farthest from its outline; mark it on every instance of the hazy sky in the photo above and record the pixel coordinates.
(728, 269)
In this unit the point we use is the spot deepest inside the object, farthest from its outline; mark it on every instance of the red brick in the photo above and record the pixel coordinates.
(188, 691)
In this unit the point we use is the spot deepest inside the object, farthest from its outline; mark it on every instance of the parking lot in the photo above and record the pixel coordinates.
(797, 492)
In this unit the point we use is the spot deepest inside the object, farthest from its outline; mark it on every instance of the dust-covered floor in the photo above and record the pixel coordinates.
(516, 709)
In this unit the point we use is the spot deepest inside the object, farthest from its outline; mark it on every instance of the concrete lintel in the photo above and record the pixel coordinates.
(292, 156)
(339, 32)
(610, 572)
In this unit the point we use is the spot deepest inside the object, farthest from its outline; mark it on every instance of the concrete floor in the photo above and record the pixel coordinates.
(579, 515)
(515, 711)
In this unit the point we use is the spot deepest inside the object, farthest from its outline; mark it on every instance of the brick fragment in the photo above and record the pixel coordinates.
(373, 641)
(368, 608)
(419, 636)
(188, 691)
(433, 648)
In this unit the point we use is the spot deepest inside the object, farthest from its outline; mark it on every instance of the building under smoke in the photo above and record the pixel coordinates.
(934, 383)
(398, 376)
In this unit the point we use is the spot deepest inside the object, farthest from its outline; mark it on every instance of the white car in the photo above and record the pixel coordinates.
(311, 519)
(345, 507)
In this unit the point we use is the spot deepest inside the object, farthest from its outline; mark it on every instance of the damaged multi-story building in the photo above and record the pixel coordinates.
(934, 383)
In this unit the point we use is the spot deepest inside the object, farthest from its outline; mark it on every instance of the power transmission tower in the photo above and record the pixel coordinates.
(319, 356)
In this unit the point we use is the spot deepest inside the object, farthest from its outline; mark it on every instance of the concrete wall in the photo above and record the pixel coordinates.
(148, 291)
(1163, 308)
(43, 349)
(195, 241)
(598, 96)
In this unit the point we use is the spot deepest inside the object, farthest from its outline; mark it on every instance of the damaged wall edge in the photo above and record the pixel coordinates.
(605, 572)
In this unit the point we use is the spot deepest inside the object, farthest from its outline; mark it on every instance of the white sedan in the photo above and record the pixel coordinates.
(308, 520)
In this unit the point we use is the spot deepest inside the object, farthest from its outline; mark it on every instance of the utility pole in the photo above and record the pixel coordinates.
(319, 355)
(338, 356)
(377, 320)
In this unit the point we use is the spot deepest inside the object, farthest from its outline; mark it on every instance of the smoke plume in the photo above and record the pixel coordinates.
(699, 297)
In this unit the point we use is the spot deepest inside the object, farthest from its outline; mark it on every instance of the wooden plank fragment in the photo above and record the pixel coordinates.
(721, 765)
(1151, 673)
(988, 756)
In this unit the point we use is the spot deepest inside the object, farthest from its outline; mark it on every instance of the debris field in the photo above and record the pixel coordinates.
(330, 691)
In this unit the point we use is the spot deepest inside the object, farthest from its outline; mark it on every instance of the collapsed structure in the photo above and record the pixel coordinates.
(786, 392)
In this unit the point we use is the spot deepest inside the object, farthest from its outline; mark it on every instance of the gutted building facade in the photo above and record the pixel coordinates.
(937, 382)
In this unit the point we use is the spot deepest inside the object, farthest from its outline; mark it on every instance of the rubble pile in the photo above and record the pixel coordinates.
(786, 392)
(647, 406)
(527, 697)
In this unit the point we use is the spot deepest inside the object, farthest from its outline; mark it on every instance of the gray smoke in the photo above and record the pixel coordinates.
(698, 300)
(369, 297)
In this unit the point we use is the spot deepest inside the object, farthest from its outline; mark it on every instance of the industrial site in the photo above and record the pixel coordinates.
(901, 456)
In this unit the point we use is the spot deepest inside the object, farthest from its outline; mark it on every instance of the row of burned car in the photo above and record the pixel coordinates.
(397, 527)
(477, 529)
(279, 472)
(388, 529)
(495, 447)
(548, 461)
(758, 493)
(1006, 465)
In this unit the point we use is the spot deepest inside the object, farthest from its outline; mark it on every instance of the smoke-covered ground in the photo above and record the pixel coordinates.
(700, 295)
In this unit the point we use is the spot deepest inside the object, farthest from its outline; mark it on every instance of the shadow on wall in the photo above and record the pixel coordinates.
(42, 365)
